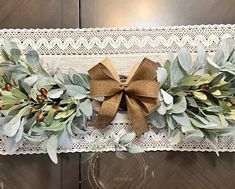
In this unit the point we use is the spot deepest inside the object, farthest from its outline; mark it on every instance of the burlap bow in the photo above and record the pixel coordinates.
(140, 91)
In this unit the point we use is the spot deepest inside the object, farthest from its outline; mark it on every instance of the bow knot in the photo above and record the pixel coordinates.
(140, 91)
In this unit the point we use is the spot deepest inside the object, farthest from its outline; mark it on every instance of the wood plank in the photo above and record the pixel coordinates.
(70, 170)
(31, 14)
(29, 171)
(174, 170)
(70, 13)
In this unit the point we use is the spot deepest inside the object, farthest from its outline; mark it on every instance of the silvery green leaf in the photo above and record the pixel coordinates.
(32, 58)
(224, 50)
(166, 97)
(201, 57)
(35, 139)
(176, 72)
(171, 123)
(134, 149)
(20, 132)
(54, 66)
(52, 148)
(44, 82)
(176, 136)
(8, 45)
(86, 107)
(196, 135)
(192, 102)
(79, 78)
(180, 106)
(127, 138)
(4, 120)
(55, 93)
(11, 128)
(78, 126)
(157, 120)
(161, 75)
(185, 60)
(170, 56)
(162, 108)
(33, 93)
(64, 140)
(76, 91)
(10, 145)
(213, 139)
(211, 66)
(187, 129)
(31, 80)
(181, 119)
(15, 54)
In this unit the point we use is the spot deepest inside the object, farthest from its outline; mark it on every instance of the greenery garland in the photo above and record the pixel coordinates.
(49, 107)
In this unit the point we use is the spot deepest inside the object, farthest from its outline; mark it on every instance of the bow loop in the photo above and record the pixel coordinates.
(140, 90)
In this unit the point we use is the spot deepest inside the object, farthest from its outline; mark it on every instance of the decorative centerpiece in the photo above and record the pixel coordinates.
(189, 97)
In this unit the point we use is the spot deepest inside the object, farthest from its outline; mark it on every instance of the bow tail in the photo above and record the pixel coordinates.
(136, 116)
(107, 111)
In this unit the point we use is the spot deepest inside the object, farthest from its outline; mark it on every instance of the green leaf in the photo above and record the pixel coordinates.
(134, 149)
(168, 99)
(50, 116)
(211, 66)
(5, 56)
(176, 136)
(35, 139)
(181, 119)
(162, 108)
(176, 72)
(76, 91)
(216, 79)
(64, 140)
(201, 57)
(32, 58)
(161, 75)
(52, 148)
(79, 79)
(224, 123)
(31, 80)
(55, 126)
(86, 107)
(213, 109)
(55, 93)
(200, 95)
(185, 60)
(11, 128)
(180, 105)
(15, 55)
(127, 138)
(224, 50)
(64, 114)
(170, 122)
(157, 120)
(18, 94)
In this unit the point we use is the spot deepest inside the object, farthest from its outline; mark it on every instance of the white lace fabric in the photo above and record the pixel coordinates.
(95, 43)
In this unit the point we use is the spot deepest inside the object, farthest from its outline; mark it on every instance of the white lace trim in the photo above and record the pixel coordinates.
(99, 41)
(117, 41)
